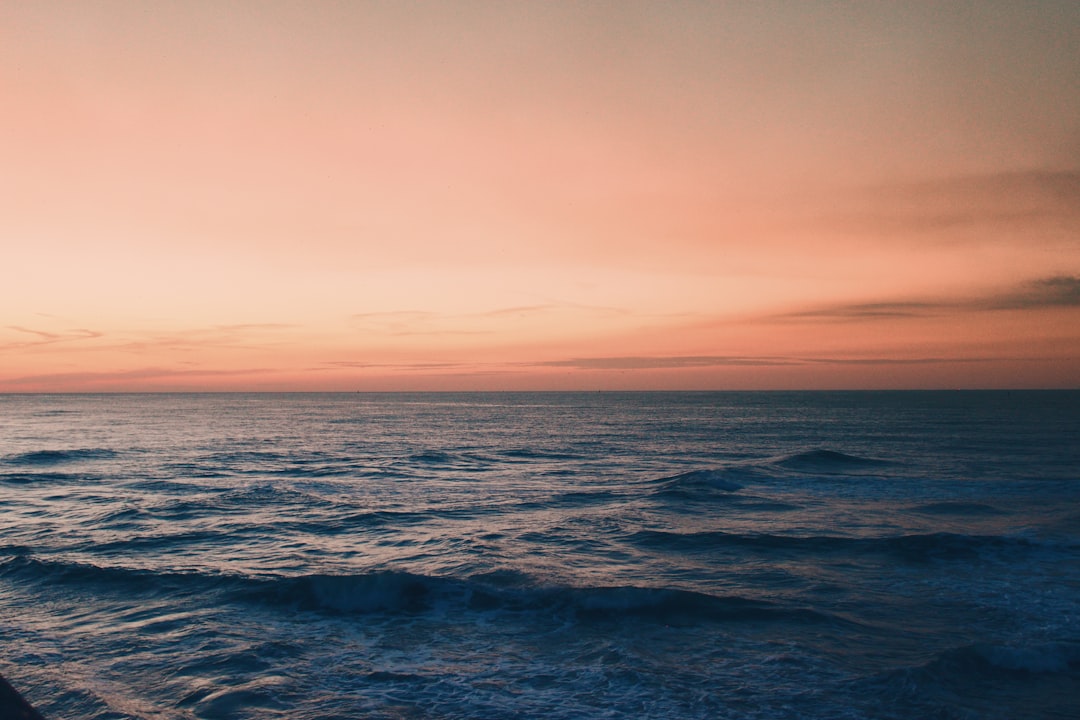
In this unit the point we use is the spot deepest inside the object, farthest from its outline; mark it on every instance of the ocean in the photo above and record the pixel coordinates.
(802, 555)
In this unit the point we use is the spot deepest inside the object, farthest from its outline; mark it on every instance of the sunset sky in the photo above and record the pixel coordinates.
(545, 195)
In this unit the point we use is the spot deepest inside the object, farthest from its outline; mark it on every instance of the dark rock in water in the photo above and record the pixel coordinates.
(13, 706)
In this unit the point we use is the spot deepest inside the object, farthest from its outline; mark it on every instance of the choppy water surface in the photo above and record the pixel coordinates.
(653, 555)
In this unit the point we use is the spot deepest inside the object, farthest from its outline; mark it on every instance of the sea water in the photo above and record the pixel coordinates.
(546, 555)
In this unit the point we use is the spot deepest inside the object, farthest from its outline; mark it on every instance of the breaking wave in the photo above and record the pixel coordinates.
(402, 593)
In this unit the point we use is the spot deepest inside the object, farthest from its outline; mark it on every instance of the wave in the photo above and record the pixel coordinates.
(434, 457)
(303, 470)
(34, 478)
(389, 592)
(573, 500)
(392, 592)
(1042, 658)
(957, 508)
(1040, 679)
(267, 463)
(534, 454)
(709, 484)
(827, 461)
(347, 522)
(912, 548)
(54, 457)
(707, 479)
(317, 465)
(28, 569)
(1032, 680)
(695, 484)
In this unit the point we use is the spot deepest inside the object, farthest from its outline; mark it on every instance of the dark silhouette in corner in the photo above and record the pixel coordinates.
(13, 706)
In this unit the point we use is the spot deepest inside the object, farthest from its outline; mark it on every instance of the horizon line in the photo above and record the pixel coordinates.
(641, 391)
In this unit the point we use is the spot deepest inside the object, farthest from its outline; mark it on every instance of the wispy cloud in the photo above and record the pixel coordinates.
(401, 323)
(645, 362)
(661, 362)
(519, 311)
(248, 336)
(404, 366)
(1056, 291)
(1041, 293)
(865, 311)
(936, 209)
(45, 337)
(650, 362)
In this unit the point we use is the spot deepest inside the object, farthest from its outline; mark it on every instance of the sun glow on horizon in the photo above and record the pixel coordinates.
(538, 196)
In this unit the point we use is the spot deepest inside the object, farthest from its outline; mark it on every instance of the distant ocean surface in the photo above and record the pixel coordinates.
(547, 555)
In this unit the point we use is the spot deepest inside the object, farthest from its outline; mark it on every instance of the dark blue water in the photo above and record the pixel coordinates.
(651, 555)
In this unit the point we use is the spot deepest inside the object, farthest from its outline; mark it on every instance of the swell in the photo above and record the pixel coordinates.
(912, 548)
(395, 593)
(325, 464)
(827, 461)
(572, 500)
(347, 522)
(29, 570)
(953, 507)
(36, 478)
(55, 457)
(267, 464)
(698, 481)
(712, 483)
(527, 454)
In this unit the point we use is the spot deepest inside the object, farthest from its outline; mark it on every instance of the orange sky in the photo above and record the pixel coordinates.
(497, 195)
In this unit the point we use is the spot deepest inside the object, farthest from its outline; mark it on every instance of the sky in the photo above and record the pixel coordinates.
(555, 195)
